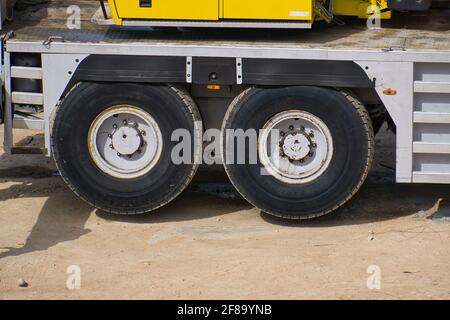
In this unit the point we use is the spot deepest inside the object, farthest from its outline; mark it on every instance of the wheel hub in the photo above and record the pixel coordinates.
(301, 150)
(126, 140)
(296, 145)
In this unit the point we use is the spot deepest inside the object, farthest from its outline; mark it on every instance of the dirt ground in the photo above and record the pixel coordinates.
(204, 247)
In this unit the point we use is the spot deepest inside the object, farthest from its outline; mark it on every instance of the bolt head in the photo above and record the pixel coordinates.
(111, 146)
(115, 126)
(118, 154)
(291, 127)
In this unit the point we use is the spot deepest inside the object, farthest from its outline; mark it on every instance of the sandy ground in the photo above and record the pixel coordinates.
(203, 247)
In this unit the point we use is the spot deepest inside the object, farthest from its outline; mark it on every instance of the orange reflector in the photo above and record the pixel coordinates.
(214, 87)
(390, 92)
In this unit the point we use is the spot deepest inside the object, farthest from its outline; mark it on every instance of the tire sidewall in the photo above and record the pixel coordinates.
(70, 146)
(348, 164)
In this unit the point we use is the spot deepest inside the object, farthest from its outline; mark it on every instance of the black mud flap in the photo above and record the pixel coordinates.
(409, 5)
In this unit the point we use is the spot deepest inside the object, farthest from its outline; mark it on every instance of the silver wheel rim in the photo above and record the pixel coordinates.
(125, 142)
(295, 147)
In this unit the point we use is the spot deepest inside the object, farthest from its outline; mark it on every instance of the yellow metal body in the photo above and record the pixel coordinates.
(262, 10)
(167, 9)
(361, 8)
(268, 10)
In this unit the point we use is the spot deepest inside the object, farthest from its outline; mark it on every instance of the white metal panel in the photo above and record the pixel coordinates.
(431, 147)
(27, 98)
(8, 139)
(232, 50)
(57, 70)
(431, 87)
(431, 177)
(31, 124)
(400, 77)
(431, 117)
(26, 72)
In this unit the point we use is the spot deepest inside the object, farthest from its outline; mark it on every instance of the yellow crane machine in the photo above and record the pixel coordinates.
(209, 12)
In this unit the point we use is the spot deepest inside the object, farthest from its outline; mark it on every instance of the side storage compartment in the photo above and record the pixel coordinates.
(431, 128)
(268, 10)
(167, 9)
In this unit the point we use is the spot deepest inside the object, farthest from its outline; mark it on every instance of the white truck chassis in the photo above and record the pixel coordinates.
(409, 69)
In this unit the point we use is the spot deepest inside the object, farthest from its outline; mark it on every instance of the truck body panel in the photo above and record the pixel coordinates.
(405, 68)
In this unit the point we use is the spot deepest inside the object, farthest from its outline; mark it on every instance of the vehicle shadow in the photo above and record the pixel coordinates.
(62, 217)
(190, 205)
(381, 198)
(376, 203)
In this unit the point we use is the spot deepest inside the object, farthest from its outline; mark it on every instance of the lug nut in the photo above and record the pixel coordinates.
(111, 146)
(118, 154)
(291, 127)
(125, 122)
(143, 132)
(310, 154)
(110, 136)
(311, 134)
(115, 126)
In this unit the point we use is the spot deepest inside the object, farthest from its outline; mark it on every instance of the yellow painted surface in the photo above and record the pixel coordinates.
(212, 10)
(168, 9)
(268, 10)
(360, 8)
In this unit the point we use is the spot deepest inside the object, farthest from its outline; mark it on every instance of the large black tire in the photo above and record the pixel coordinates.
(171, 108)
(350, 126)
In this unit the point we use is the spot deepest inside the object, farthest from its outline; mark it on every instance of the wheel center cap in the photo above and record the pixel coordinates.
(296, 146)
(126, 140)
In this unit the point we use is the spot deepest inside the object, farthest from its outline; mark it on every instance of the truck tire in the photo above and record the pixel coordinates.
(318, 159)
(112, 144)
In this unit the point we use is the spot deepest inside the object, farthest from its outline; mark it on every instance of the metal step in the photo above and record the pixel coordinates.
(26, 72)
(31, 124)
(431, 87)
(27, 98)
(431, 177)
(431, 147)
(431, 117)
